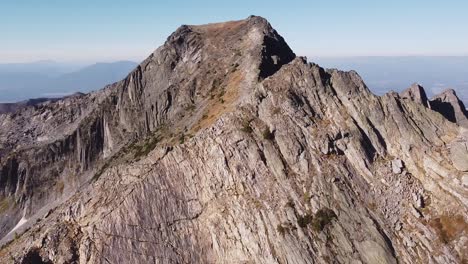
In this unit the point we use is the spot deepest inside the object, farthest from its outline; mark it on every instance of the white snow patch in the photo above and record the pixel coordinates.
(20, 223)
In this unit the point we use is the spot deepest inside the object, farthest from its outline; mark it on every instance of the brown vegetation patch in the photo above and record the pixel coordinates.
(449, 228)
(216, 29)
(223, 103)
(319, 221)
(60, 186)
(5, 204)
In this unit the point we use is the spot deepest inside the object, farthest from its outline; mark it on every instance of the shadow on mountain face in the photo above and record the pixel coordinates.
(445, 108)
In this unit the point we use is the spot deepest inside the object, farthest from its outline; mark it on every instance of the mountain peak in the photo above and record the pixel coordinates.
(450, 106)
(223, 28)
(447, 94)
(415, 93)
(253, 35)
(249, 22)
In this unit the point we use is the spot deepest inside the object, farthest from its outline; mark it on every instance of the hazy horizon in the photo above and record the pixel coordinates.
(97, 61)
(21, 81)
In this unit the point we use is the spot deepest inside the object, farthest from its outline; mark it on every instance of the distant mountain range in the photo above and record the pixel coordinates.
(382, 74)
(44, 67)
(48, 79)
(22, 81)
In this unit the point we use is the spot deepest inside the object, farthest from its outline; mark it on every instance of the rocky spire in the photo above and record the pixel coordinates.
(415, 93)
(451, 107)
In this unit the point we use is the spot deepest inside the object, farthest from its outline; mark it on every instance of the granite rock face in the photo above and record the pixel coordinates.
(224, 147)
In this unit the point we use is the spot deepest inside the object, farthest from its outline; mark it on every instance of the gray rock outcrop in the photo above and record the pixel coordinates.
(416, 93)
(449, 105)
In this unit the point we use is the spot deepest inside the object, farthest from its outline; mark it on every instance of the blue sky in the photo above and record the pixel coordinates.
(105, 30)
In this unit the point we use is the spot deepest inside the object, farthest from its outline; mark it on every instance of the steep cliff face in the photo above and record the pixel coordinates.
(223, 147)
(63, 144)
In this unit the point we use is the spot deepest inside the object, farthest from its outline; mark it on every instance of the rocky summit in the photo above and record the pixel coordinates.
(223, 146)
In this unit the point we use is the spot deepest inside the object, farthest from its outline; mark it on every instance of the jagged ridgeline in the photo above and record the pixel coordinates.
(224, 147)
